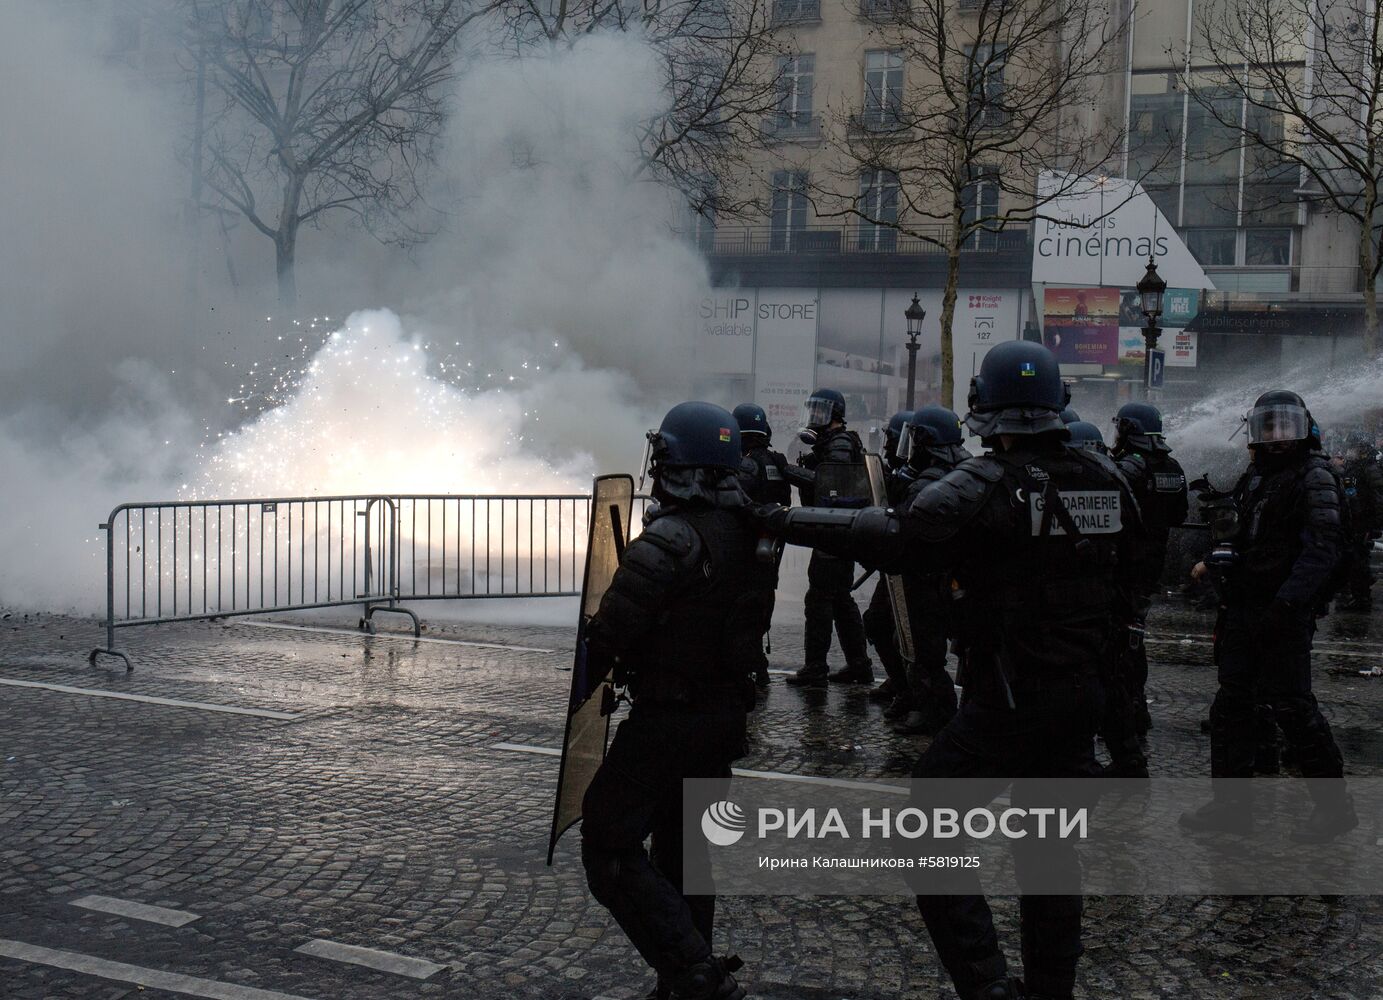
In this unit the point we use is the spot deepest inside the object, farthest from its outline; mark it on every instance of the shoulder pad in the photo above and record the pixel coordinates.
(673, 535)
(1323, 496)
(989, 469)
(1133, 465)
(942, 507)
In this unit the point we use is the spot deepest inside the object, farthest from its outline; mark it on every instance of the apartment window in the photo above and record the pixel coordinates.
(883, 88)
(985, 73)
(981, 206)
(1213, 247)
(795, 79)
(796, 11)
(701, 216)
(879, 204)
(788, 209)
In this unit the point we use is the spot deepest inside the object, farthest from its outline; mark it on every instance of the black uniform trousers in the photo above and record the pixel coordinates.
(1049, 735)
(829, 603)
(637, 792)
(882, 635)
(1268, 663)
(1358, 556)
(933, 690)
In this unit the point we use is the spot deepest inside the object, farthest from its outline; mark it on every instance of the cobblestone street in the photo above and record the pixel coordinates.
(394, 795)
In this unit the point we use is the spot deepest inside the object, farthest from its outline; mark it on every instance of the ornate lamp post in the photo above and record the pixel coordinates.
(1150, 288)
(915, 315)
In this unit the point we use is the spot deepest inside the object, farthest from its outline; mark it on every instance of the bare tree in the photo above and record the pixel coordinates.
(1299, 85)
(719, 85)
(316, 107)
(995, 97)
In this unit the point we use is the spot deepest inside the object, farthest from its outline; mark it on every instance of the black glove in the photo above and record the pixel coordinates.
(771, 517)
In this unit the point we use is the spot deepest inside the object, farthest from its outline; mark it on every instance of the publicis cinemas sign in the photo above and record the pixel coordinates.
(1101, 233)
(1057, 239)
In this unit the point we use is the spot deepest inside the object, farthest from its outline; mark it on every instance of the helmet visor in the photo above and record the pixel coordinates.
(816, 412)
(905, 440)
(1277, 422)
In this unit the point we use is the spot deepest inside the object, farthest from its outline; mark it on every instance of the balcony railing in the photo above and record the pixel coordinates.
(884, 10)
(877, 120)
(796, 12)
(853, 238)
(789, 127)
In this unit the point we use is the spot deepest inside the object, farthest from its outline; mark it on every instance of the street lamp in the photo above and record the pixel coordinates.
(915, 315)
(1150, 288)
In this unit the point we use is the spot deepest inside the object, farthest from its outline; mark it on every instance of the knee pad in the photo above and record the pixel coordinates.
(604, 870)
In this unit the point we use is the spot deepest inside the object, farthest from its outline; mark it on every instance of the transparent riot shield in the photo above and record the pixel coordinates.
(592, 694)
(897, 597)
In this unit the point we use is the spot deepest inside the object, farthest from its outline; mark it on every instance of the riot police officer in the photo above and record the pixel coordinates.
(763, 475)
(1043, 542)
(832, 474)
(1159, 485)
(677, 625)
(1363, 483)
(1277, 566)
(933, 445)
(878, 617)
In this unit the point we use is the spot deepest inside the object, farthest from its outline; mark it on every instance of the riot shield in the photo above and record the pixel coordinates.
(588, 719)
(897, 597)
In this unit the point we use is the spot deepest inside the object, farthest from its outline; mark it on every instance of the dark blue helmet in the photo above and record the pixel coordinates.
(1139, 425)
(752, 419)
(934, 432)
(822, 407)
(1084, 434)
(696, 435)
(1018, 391)
(1069, 415)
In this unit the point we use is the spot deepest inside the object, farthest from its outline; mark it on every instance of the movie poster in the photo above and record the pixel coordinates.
(1081, 325)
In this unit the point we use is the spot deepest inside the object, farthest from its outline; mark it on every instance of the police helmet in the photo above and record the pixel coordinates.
(1018, 391)
(696, 435)
(933, 432)
(1139, 425)
(1280, 416)
(1084, 434)
(1069, 415)
(752, 419)
(821, 408)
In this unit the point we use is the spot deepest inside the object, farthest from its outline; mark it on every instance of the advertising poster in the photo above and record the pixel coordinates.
(1181, 348)
(1179, 307)
(785, 352)
(1081, 325)
(725, 332)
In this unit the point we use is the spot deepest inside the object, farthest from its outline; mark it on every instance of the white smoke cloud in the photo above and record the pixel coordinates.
(522, 351)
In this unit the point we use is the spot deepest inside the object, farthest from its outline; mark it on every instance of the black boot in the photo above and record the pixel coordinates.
(898, 708)
(1001, 989)
(856, 673)
(885, 692)
(660, 992)
(708, 980)
(1221, 816)
(810, 676)
(1327, 822)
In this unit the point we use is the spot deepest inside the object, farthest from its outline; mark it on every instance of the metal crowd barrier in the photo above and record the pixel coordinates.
(192, 560)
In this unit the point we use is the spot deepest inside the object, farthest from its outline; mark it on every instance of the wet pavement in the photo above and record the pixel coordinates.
(357, 794)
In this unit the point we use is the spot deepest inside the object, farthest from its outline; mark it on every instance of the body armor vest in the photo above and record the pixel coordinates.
(701, 649)
(1046, 595)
